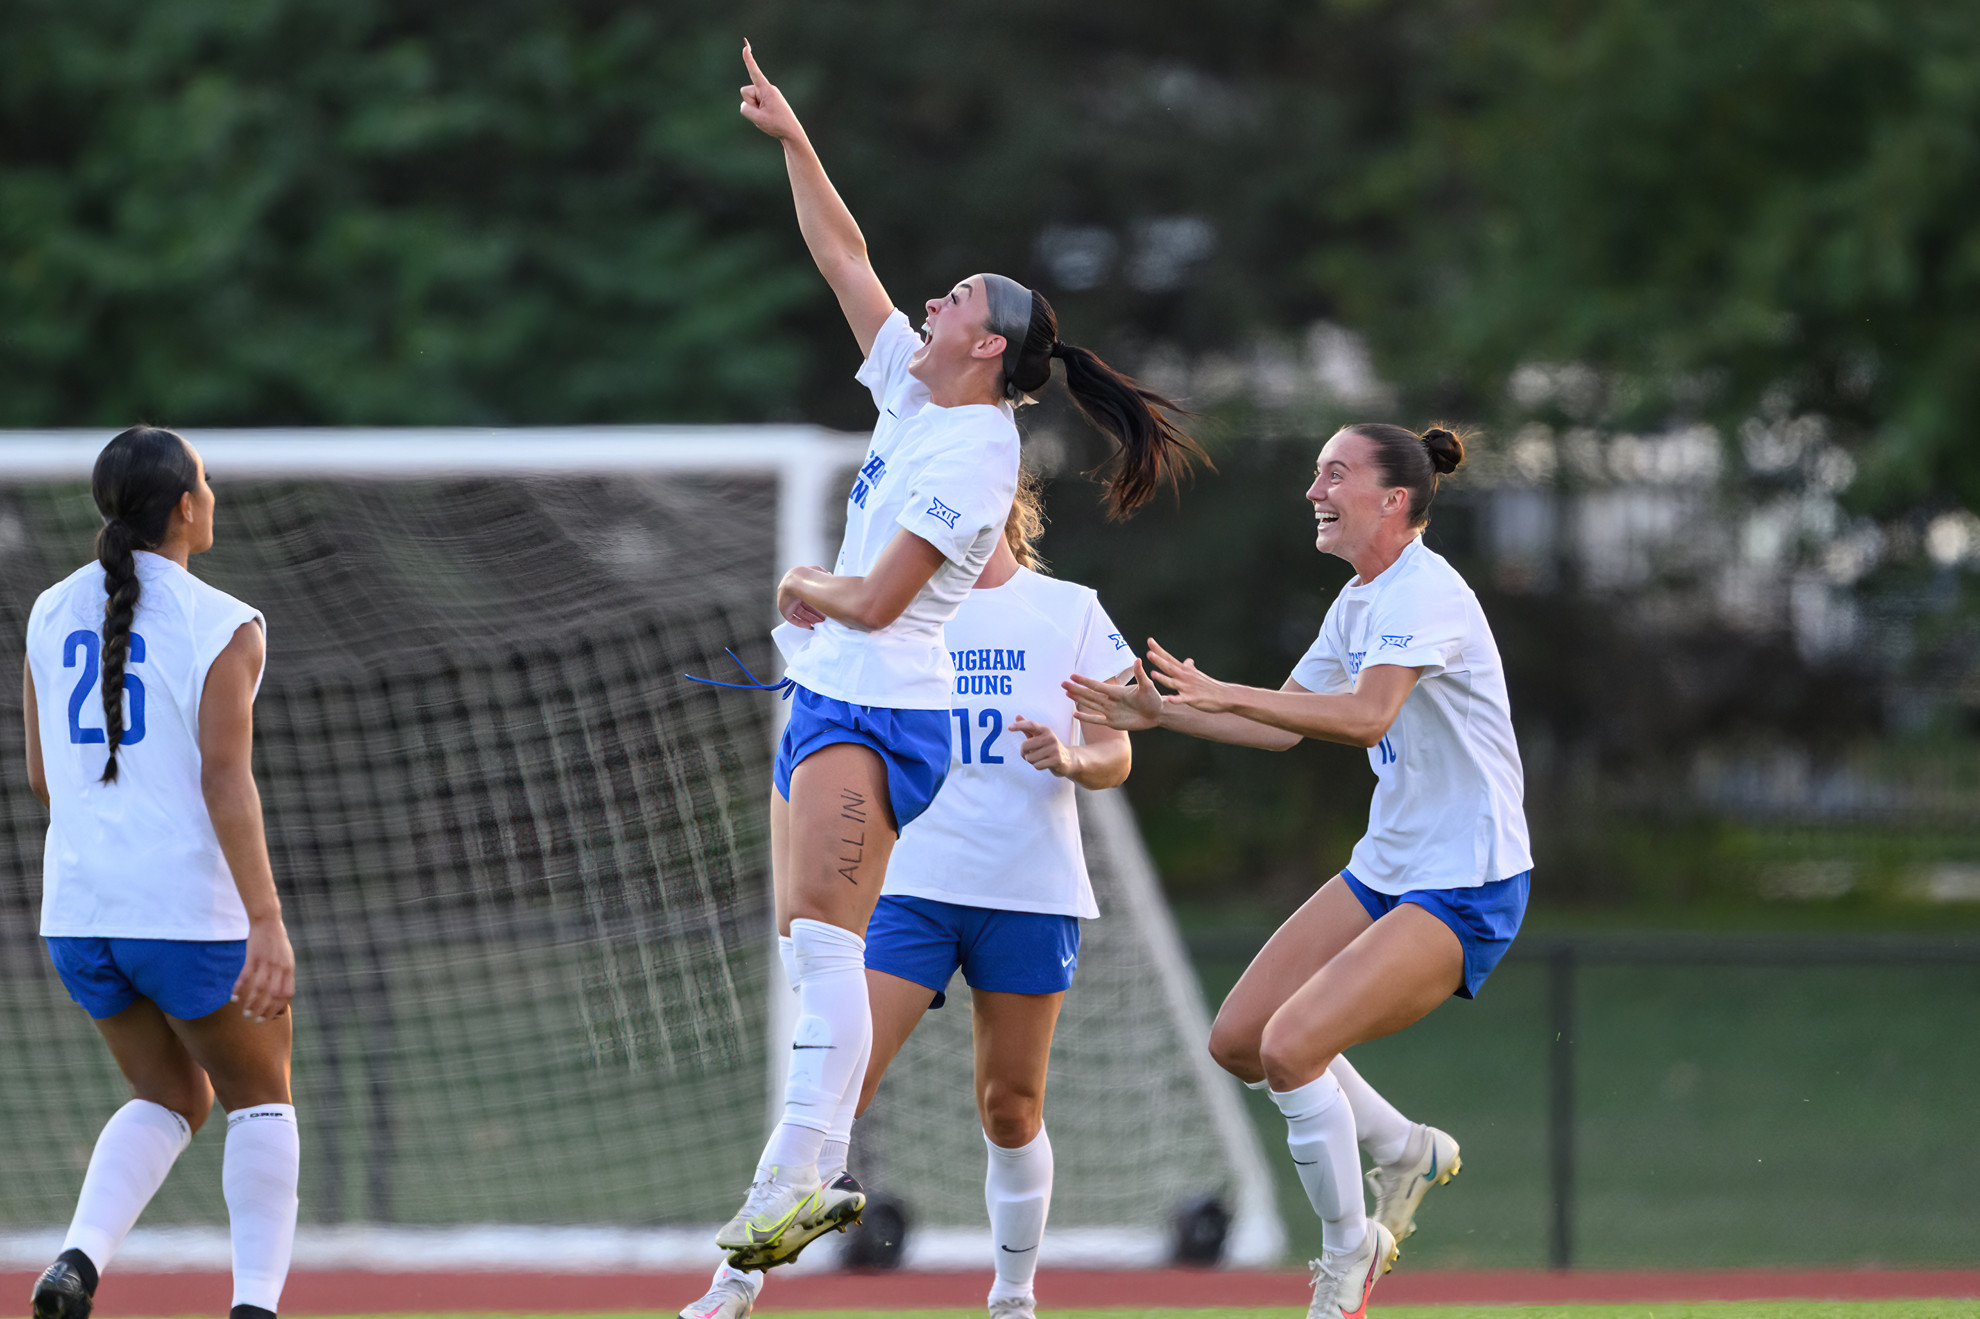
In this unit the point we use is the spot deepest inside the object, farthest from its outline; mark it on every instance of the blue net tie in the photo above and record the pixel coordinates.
(783, 685)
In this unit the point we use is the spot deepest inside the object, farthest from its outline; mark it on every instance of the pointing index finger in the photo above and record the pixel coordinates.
(755, 74)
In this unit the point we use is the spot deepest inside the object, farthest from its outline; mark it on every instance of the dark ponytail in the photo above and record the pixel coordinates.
(1414, 462)
(138, 481)
(1153, 450)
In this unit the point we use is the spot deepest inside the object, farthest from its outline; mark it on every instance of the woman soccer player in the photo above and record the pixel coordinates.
(991, 880)
(1405, 666)
(157, 900)
(868, 740)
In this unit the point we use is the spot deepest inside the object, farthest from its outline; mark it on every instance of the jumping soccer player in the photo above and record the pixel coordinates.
(1006, 913)
(157, 900)
(1432, 896)
(867, 745)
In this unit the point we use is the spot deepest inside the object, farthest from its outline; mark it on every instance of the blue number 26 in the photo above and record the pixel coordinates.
(91, 647)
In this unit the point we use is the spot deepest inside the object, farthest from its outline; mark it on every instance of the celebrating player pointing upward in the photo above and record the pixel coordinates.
(1405, 666)
(867, 745)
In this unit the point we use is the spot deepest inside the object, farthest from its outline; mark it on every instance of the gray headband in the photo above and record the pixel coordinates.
(1010, 316)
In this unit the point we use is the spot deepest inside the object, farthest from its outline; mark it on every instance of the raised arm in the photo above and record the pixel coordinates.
(226, 780)
(828, 227)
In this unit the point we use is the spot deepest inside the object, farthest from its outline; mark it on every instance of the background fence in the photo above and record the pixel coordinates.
(1690, 1101)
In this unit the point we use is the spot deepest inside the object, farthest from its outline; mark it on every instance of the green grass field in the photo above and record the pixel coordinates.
(1917, 1309)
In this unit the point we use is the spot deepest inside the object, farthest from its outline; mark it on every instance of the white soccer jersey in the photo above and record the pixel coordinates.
(946, 474)
(1448, 809)
(1000, 833)
(138, 858)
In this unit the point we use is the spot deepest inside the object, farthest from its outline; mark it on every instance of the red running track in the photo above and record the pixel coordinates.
(155, 1294)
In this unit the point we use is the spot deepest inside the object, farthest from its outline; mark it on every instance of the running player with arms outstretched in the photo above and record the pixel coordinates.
(158, 903)
(867, 745)
(1405, 666)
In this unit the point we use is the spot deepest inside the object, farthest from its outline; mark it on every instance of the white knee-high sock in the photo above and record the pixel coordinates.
(838, 1141)
(787, 954)
(1383, 1130)
(259, 1173)
(1320, 1134)
(137, 1147)
(833, 1037)
(1018, 1192)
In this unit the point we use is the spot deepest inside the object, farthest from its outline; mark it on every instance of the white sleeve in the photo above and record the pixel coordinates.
(1321, 669)
(885, 367)
(1103, 651)
(219, 616)
(964, 489)
(1418, 630)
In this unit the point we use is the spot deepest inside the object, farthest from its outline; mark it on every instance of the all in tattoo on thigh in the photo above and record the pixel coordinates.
(852, 811)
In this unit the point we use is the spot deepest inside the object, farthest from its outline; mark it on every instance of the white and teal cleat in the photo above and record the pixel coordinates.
(1429, 1159)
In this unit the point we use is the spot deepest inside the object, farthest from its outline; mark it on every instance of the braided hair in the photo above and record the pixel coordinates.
(138, 481)
(1154, 451)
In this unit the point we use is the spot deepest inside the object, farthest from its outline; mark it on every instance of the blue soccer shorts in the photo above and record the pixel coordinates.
(914, 744)
(186, 978)
(999, 952)
(1484, 918)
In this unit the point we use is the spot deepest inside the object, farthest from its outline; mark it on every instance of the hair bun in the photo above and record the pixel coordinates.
(1446, 449)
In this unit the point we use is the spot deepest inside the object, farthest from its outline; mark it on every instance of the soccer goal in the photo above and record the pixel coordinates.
(525, 867)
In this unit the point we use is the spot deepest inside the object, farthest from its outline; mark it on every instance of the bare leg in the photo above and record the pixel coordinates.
(841, 832)
(838, 837)
(1013, 1035)
(155, 1062)
(898, 1007)
(1390, 977)
(1013, 1051)
(1325, 924)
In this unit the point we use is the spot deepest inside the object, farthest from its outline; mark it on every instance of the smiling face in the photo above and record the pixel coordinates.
(956, 341)
(1354, 510)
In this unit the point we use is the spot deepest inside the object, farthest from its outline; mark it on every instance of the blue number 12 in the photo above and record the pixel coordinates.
(990, 719)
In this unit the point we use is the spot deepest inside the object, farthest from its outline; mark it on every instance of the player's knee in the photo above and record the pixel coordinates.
(190, 1096)
(1236, 1051)
(1286, 1054)
(1011, 1117)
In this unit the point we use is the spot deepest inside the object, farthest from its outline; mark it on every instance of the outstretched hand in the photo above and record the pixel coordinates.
(1191, 685)
(1126, 706)
(765, 106)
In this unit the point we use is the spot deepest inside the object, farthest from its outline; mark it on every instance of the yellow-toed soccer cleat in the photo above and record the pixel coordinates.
(831, 1208)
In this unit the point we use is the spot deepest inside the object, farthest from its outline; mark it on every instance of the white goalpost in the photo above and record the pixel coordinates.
(525, 864)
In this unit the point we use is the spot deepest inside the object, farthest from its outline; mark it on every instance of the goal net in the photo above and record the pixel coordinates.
(524, 863)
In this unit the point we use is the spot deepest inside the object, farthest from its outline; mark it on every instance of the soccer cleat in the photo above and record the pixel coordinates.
(827, 1209)
(1014, 1307)
(726, 1299)
(1341, 1283)
(1429, 1159)
(61, 1293)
